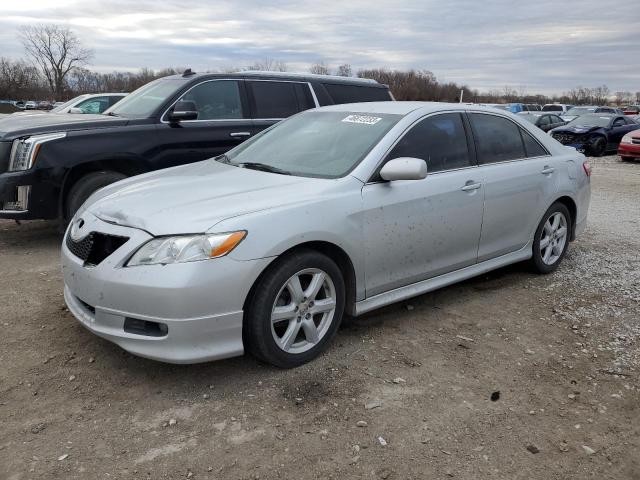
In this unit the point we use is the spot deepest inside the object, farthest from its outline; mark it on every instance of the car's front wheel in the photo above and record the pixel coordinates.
(295, 309)
(551, 239)
(597, 146)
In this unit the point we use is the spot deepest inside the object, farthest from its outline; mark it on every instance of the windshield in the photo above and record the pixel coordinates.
(552, 108)
(68, 104)
(314, 144)
(591, 121)
(146, 99)
(581, 110)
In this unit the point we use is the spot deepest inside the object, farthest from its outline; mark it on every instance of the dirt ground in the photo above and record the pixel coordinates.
(409, 392)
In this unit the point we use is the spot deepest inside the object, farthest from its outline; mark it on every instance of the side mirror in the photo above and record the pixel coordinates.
(183, 110)
(75, 110)
(404, 168)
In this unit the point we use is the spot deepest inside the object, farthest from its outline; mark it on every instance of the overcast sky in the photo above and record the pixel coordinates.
(546, 46)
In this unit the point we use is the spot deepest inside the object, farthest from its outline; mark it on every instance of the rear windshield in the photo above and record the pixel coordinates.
(552, 108)
(581, 110)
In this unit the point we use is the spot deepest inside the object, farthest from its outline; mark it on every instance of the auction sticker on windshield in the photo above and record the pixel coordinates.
(366, 119)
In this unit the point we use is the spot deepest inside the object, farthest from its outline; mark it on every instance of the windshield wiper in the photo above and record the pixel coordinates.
(263, 167)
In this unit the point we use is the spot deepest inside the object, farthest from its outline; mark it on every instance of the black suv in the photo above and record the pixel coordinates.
(50, 164)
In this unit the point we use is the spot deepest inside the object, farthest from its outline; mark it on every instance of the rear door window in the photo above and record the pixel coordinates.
(532, 146)
(341, 93)
(278, 99)
(440, 140)
(216, 100)
(497, 138)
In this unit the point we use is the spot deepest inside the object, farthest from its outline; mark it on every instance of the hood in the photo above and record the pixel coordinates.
(576, 129)
(13, 126)
(193, 198)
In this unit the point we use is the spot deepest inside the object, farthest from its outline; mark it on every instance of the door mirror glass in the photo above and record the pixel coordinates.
(183, 110)
(404, 168)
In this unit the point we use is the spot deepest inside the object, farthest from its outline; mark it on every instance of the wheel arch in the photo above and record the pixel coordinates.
(571, 205)
(331, 250)
(126, 166)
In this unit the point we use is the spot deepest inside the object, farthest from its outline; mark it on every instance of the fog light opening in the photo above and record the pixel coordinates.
(145, 327)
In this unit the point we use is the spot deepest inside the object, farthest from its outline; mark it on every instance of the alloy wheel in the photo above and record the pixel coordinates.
(303, 310)
(554, 238)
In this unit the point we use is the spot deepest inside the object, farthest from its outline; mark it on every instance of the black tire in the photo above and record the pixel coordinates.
(257, 330)
(85, 186)
(597, 146)
(537, 262)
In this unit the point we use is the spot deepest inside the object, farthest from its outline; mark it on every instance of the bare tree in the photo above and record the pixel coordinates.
(344, 70)
(269, 65)
(55, 50)
(319, 69)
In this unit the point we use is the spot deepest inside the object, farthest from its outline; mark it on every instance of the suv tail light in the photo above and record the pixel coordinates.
(587, 168)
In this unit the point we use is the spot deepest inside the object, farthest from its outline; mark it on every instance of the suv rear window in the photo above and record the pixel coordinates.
(279, 99)
(341, 93)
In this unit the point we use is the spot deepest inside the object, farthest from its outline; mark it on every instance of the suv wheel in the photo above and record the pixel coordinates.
(551, 239)
(296, 309)
(85, 186)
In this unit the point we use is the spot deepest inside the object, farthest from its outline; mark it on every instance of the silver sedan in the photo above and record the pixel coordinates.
(335, 211)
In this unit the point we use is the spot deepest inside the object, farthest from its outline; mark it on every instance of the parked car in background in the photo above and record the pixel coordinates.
(543, 120)
(595, 134)
(631, 110)
(30, 105)
(629, 147)
(557, 107)
(533, 107)
(171, 121)
(575, 112)
(330, 212)
(90, 103)
(20, 104)
(45, 105)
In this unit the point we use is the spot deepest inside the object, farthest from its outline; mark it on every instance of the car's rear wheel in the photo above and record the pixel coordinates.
(85, 186)
(295, 309)
(551, 239)
(597, 146)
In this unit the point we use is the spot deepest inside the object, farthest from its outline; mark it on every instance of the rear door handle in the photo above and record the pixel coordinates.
(547, 170)
(471, 186)
(240, 134)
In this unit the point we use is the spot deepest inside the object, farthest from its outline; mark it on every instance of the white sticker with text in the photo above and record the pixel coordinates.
(365, 119)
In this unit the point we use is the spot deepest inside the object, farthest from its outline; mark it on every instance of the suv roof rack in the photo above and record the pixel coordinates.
(308, 75)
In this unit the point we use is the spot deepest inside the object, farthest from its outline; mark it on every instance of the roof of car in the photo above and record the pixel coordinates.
(307, 77)
(403, 108)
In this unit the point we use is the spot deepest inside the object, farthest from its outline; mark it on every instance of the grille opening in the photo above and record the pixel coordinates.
(145, 327)
(95, 247)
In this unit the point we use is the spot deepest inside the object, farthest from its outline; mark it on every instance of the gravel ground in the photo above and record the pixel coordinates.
(509, 375)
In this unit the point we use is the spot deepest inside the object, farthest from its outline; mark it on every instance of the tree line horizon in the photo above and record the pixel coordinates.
(56, 70)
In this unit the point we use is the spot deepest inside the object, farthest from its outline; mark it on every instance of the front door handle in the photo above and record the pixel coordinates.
(240, 134)
(547, 170)
(471, 186)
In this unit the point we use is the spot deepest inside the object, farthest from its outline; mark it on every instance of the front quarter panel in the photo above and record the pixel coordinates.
(332, 215)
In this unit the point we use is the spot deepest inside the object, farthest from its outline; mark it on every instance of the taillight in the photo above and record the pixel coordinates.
(587, 168)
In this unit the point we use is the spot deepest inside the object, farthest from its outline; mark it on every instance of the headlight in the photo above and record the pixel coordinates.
(626, 139)
(186, 248)
(25, 150)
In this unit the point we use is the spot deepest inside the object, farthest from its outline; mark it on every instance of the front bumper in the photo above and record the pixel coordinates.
(42, 195)
(629, 150)
(201, 303)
